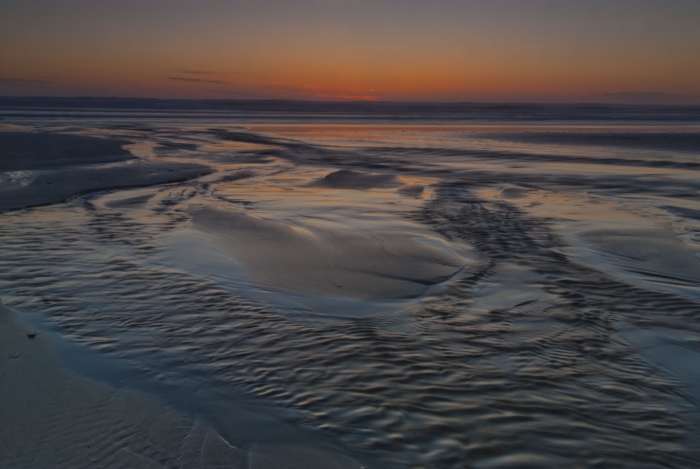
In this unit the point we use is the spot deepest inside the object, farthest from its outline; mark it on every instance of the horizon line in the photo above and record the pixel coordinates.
(348, 101)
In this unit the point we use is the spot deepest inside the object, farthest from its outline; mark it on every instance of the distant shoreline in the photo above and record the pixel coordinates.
(375, 111)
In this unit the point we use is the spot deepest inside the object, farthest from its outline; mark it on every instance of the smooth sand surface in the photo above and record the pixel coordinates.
(657, 253)
(297, 457)
(51, 417)
(384, 265)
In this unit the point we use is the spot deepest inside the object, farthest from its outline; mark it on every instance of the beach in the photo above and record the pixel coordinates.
(276, 291)
(54, 417)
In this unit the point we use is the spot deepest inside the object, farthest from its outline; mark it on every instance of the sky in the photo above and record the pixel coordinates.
(389, 50)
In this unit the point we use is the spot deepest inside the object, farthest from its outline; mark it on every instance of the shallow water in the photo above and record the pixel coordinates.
(569, 338)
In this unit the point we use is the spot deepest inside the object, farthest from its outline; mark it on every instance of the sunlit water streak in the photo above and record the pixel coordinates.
(549, 352)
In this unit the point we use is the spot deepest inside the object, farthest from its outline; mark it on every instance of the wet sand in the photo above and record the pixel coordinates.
(43, 168)
(23, 151)
(53, 417)
(403, 296)
(327, 262)
(358, 180)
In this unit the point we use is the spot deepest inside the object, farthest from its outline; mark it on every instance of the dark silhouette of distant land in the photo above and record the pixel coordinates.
(364, 110)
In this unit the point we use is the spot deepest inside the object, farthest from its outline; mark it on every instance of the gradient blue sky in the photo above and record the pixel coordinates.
(440, 50)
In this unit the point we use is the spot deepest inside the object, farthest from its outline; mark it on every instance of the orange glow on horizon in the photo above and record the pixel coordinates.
(411, 52)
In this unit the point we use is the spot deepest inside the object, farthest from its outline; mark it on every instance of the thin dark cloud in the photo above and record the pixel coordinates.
(189, 71)
(238, 94)
(197, 80)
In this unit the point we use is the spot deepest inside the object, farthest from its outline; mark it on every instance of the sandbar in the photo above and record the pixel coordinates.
(369, 266)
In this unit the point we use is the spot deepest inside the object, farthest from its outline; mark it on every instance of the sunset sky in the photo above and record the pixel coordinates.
(401, 50)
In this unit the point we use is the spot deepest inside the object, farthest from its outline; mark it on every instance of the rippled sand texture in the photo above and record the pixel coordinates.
(519, 298)
(54, 418)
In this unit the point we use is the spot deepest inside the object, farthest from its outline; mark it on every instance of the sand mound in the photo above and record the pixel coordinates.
(130, 202)
(512, 192)
(413, 190)
(329, 262)
(358, 180)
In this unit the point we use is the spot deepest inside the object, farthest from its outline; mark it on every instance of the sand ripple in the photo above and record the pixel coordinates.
(530, 357)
